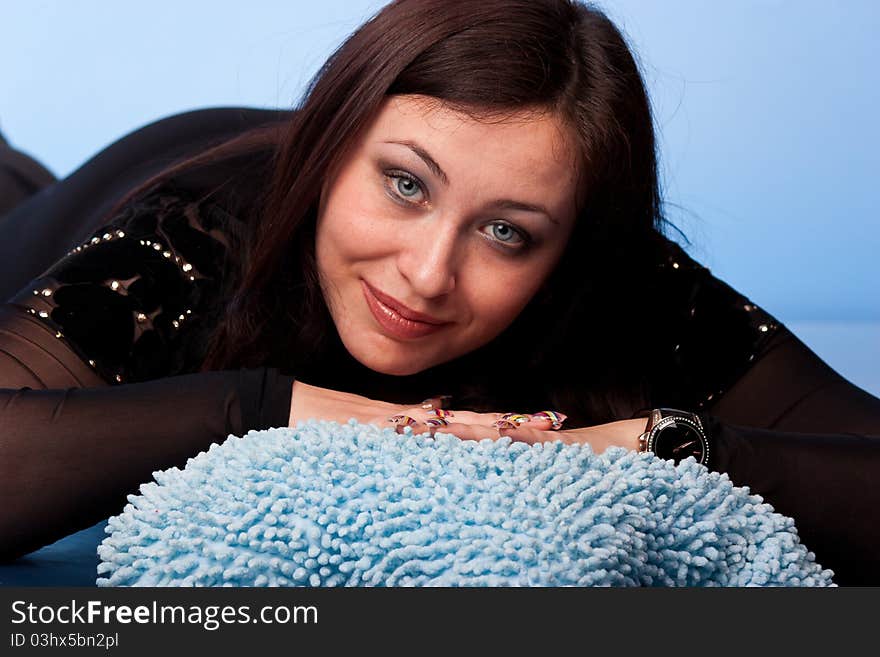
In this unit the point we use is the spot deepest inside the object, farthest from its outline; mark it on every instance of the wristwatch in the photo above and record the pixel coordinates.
(675, 435)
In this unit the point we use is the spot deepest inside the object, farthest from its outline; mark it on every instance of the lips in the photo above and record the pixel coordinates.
(402, 310)
(396, 319)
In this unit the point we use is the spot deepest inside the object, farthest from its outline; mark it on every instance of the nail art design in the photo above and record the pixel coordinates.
(556, 418)
(515, 417)
(504, 424)
(439, 412)
(402, 420)
(436, 422)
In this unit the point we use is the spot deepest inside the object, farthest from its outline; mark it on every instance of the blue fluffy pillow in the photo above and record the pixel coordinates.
(327, 504)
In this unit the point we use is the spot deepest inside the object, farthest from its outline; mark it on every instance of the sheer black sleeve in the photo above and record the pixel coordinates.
(68, 458)
(808, 441)
(782, 421)
(99, 385)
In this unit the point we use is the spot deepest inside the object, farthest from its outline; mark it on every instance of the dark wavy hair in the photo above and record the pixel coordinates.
(575, 346)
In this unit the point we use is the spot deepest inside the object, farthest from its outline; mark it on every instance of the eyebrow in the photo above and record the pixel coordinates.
(498, 204)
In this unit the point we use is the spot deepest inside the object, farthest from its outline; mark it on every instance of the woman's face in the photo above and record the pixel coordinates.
(436, 216)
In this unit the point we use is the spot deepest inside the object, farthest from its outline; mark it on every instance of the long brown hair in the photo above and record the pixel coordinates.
(483, 57)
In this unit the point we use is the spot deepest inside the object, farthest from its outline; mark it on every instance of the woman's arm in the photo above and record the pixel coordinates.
(825, 481)
(117, 310)
(786, 424)
(808, 441)
(69, 458)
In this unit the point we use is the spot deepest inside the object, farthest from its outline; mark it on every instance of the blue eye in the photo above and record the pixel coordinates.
(510, 238)
(504, 233)
(404, 185)
(407, 187)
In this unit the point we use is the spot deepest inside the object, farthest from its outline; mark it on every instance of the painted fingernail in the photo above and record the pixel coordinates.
(555, 418)
(436, 422)
(402, 420)
(439, 412)
(519, 418)
(504, 424)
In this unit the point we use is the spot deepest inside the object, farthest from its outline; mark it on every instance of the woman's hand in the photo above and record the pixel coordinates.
(623, 433)
(310, 401)
(313, 402)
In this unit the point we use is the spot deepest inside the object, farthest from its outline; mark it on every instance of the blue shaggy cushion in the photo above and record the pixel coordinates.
(328, 504)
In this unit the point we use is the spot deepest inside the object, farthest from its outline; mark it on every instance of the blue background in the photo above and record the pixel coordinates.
(766, 112)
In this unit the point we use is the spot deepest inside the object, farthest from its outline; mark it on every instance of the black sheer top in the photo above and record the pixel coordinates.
(99, 380)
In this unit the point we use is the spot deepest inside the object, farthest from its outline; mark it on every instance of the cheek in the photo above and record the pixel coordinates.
(351, 228)
(497, 299)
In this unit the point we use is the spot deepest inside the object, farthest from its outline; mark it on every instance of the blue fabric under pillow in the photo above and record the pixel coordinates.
(328, 504)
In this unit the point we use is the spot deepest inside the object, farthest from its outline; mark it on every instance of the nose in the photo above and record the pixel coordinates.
(429, 258)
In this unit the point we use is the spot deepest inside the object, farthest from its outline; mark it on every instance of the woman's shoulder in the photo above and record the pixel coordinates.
(43, 228)
(137, 299)
(712, 333)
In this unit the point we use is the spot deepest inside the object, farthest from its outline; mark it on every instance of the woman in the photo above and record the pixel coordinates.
(486, 170)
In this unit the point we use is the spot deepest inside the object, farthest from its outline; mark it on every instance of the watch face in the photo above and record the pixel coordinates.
(678, 440)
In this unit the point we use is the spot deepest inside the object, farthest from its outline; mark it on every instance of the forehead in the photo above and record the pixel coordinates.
(535, 146)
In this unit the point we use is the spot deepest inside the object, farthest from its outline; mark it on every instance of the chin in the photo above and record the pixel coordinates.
(378, 353)
(392, 367)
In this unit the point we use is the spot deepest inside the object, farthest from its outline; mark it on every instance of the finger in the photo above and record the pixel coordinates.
(422, 415)
(529, 435)
(466, 431)
(451, 415)
(441, 417)
(523, 434)
(398, 422)
(554, 418)
(518, 432)
(419, 420)
(480, 430)
(543, 420)
(511, 420)
(484, 419)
